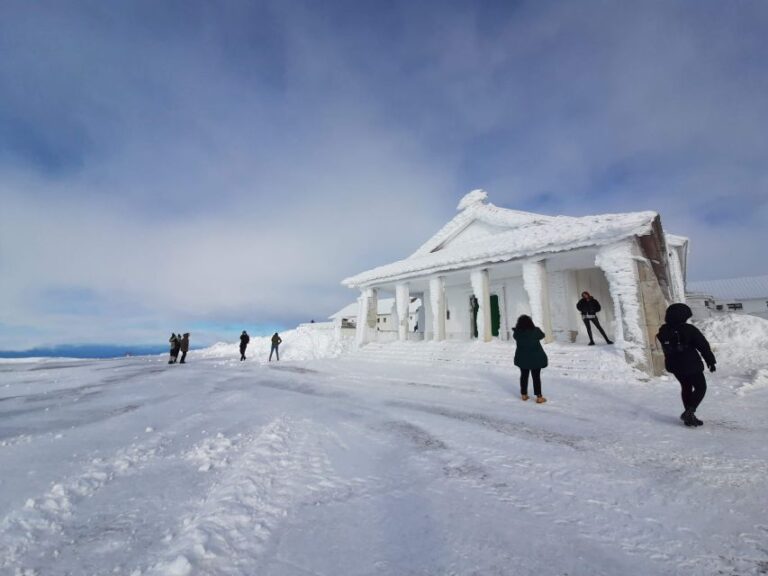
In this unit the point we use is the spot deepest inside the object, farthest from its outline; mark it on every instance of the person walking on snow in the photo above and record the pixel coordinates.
(244, 339)
(589, 307)
(173, 340)
(184, 347)
(684, 346)
(529, 356)
(276, 341)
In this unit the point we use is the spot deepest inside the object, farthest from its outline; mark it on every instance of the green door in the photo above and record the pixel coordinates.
(495, 315)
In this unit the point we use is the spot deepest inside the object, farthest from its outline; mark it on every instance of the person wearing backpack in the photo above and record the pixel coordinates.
(529, 356)
(684, 347)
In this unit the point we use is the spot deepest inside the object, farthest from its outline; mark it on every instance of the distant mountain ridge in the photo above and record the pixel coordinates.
(86, 351)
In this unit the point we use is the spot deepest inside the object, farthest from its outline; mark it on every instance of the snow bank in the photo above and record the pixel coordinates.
(308, 342)
(740, 344)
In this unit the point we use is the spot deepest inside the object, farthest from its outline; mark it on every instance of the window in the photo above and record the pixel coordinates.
(447, 314)
(706, 303)
(736, 306)
(719, 307)
(378, 320)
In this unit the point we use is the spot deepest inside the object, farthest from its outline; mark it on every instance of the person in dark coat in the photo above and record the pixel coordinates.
(529, 356)
(276, 341)
(177, 347)
(184, 347)
(174, 342)
(684, 346)
(244, 339)
(589, 307)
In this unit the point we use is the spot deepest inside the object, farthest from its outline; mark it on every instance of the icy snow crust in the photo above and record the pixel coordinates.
(408, 458)
(531, 234)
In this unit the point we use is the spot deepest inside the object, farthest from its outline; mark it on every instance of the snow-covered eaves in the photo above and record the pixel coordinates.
(384, 306)
(747, 288)
(532, 235)
(675, 240)
(478, 212)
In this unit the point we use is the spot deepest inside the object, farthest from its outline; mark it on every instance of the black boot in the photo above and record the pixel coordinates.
(696, 421)
(688, 418)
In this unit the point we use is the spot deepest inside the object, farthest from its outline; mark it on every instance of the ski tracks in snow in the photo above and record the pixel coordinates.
(261, 479)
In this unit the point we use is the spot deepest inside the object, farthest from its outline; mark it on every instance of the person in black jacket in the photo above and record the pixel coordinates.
(244, 339)
(529, 356)
(589, 307)
(684, 346)
(174, 342)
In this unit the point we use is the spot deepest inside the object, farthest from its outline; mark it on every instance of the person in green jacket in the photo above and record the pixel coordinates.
(529, 356)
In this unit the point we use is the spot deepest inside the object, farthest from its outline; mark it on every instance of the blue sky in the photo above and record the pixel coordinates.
(169, 165)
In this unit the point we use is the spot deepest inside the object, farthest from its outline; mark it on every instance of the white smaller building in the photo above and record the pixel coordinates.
(386, 317)
(748, 295)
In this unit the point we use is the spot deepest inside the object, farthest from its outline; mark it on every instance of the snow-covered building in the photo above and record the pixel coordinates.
(386, 315)
(488, 265)
(748, 295)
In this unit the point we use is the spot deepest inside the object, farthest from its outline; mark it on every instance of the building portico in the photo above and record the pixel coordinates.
(489, 265)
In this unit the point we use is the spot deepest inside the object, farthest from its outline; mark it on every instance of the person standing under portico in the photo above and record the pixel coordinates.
(589, 307)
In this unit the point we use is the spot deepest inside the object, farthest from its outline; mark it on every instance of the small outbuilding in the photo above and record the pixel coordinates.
(746, 295)
(488, 265)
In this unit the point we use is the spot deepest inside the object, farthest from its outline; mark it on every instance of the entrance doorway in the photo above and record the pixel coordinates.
(474, 306)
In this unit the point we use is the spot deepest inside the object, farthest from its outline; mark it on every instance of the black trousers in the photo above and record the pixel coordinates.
(693, 388)
(183, 356)
(275, 350)
(536, 372)
(242, 352)
(596, 322)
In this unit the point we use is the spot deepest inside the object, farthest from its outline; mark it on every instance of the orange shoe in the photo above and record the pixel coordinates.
(524, 397)
(540, 399)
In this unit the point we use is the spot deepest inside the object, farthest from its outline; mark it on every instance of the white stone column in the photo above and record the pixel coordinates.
(676, 281)
(536, 285)
(366, 316)
(559, 305)
(481, 290)
(619, 262)
(402, 303)
(437, 306)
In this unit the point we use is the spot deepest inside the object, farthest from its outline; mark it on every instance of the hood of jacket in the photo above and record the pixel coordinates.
(677, 314)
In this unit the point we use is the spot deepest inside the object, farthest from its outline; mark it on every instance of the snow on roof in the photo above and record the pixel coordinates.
(472, 208)
(384, 307)
(745, 288)
(529, 235)
(675, 240)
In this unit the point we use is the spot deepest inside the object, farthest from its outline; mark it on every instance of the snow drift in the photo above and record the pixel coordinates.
(306, 342)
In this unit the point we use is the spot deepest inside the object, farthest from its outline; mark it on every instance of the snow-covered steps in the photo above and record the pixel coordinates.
(572, 360)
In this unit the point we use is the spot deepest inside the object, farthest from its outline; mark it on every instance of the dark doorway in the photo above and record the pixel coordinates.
(495, 315)
(474, 306)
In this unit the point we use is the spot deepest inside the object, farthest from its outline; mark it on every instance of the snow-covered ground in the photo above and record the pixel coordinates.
(413, 459)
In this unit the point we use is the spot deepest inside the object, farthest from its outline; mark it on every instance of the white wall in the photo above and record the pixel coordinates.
(457, 326)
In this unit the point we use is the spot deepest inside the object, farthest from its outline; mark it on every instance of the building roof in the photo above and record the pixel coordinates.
(747, 288)
(509, 235)
(384, 307)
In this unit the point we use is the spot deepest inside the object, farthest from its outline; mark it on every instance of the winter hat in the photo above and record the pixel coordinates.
(677, 313)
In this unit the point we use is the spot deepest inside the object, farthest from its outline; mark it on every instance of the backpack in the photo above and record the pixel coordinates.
(674, 342)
